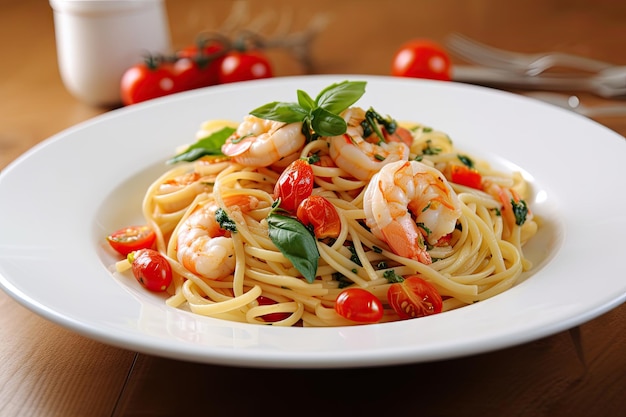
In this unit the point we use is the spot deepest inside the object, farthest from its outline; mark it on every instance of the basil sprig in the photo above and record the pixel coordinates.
(296, 242)
(319, 116)
(209, 145)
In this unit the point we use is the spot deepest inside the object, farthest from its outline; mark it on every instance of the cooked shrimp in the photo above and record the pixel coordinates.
(511, 202)
(260, 142)
(407, 203)
(203, 247)
(363, 157)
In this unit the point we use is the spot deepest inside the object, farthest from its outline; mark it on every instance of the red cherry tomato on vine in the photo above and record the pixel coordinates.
(192, 67)
(294, 185)
(359, 305)
(199, 65)
(148, 80)
(244, 66)
(151, 269)
(207, 48)
(422, 58)
(131, 238)
(190, 74)
(321, 214)
(414, 297)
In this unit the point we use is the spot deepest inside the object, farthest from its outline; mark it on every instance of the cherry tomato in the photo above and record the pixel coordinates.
(414, 297)
(204, 48)
(444, 240)
(199, 65)
(464, 175)
(294, 185)
(422, 58)
(272, 317)
(190, 74)
(148, 80)
(243, 66)
(131, 238)
(359, 305)
(151, 269)
(319, 212)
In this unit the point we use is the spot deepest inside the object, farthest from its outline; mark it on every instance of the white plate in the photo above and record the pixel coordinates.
(59, 200)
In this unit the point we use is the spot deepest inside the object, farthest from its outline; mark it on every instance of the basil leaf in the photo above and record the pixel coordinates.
(280, 112)
(209, 145)
(338, 97)
(325, 123)
(295, 241)
(305, 101)
(320, 115)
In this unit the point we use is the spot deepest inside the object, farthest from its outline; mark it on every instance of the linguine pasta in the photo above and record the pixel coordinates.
(482, 257)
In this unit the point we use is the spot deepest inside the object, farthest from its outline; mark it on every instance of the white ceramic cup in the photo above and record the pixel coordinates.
(97, 40)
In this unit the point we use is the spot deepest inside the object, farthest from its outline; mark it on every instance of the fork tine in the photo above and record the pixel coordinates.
(524, 69)
(530, 64)
(479, 53)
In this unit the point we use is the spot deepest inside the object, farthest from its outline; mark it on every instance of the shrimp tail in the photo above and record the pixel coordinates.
(405, 239)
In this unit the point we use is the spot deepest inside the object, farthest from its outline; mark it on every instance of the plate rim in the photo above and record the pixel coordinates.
(273, 359)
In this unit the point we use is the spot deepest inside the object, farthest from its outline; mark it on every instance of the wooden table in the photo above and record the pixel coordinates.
(46, 370)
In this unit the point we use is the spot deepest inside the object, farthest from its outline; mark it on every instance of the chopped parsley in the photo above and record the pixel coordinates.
(354, 257)
(467, 161)
(225, 222)
(392, 277)
(429, 149)
(520, 209)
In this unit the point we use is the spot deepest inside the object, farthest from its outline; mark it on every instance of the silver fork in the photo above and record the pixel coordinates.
(528, 64)
(609, 83)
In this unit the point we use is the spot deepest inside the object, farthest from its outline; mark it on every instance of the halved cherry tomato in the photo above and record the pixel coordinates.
(464, 175)
(294, 185)
(422, 58)
(321, 214)
(359, 305)
(414, 297)
(272, 317)
(131, 238)
(151, 269)
(243, 66)
(147, 80)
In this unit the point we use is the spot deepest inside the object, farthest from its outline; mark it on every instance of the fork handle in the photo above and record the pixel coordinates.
(566, 60)
(500, 78)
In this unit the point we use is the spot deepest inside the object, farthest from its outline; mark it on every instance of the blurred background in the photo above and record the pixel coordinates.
(359, 44)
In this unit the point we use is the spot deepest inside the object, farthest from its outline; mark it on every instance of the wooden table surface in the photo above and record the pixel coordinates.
(46, 370)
